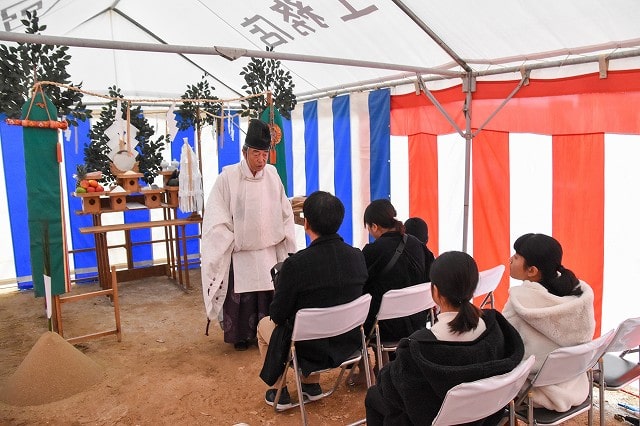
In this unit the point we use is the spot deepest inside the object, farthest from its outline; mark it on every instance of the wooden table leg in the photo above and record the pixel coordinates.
(116, 303)
(58, 314)
(178, 261)
(168, 247)
(102, 254)
(172, 244)
(128, 248)
(185, 257)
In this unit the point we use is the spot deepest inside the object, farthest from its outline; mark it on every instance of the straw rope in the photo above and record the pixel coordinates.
(157, 100)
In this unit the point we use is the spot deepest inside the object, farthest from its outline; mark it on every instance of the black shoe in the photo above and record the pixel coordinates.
(241, 345)
(283, 403)
(312, 391)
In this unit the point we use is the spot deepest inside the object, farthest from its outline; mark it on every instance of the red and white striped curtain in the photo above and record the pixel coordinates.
(560, 158)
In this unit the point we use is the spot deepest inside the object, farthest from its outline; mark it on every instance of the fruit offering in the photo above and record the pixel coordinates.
(87, 181)
(90, 185)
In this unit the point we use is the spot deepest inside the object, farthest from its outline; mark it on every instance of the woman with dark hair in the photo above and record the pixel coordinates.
(465, 344)
(387, 271)
(551, 309)
(417, 227)
(394, 260)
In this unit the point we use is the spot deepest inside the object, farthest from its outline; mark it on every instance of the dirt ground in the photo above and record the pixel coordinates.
(165, 370)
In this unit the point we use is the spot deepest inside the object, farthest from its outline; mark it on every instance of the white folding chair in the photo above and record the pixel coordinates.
(559, 366)
(615, 371)
(489, 280)
(397, 304)
(471, 401)
(322, 323)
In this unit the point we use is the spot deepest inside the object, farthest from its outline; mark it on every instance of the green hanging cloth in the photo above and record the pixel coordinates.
(43, 195)
(277, 154)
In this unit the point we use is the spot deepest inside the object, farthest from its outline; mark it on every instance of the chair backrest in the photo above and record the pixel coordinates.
(568, 362)
(406, 301)
(471, 401)
(489, 280)
(320, 323)
(627, 336)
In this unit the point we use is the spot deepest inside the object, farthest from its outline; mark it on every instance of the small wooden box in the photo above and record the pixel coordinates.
(152, 197)
(172, 199)
(129, 181)
(90, 201)
(118, 201)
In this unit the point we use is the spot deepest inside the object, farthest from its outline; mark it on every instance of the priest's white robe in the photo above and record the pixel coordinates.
(248, 219)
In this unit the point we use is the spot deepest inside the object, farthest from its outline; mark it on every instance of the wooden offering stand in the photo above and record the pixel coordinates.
(129, 181)
(136, 198)
(118, 200)
(152, 197)
(90, 201)
(171, 192)
(172, 198)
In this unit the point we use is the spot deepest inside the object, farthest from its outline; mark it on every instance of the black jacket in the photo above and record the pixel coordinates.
(327, 273)
(410, 269)
(412, 387)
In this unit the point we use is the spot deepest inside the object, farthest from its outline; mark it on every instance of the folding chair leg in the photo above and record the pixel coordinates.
(367, 369)
(590, 415)
(364, 353)
(282, 383)
(303, 413)
(601, 391)
(512, 413)
(379, 358)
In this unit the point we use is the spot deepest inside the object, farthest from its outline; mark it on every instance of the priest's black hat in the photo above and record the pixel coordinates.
(258, 135)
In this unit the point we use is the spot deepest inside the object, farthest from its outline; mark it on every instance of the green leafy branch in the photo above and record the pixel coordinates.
(263, 75)
(25, 64)
(189, 112)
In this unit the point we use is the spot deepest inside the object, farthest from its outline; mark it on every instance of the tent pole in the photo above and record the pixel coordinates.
(432, 34)
(438, 73)
(524, 81)
(468, 137)
(230, 53)
(402, 79)
(439, 106)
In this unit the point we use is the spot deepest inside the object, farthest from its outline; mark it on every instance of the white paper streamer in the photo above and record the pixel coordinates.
(190, 193)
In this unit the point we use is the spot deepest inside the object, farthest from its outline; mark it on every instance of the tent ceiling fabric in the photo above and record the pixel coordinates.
(488, 36)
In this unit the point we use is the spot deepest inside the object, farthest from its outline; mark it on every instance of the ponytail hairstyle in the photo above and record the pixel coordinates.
(455, 274)
(382, 213)
(545, 253)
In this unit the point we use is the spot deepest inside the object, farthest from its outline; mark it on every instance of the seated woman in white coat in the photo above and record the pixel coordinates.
(551, 309)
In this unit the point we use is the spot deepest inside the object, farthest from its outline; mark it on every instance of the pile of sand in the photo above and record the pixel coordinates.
(51, 371)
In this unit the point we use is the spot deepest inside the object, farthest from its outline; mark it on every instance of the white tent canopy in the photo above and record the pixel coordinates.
(154, 49)
(389, 40)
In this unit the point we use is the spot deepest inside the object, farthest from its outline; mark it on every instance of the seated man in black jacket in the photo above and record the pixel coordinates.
(329, 272)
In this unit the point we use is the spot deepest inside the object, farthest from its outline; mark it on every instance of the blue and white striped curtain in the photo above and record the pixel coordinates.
(340, 145)
(14, 246)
